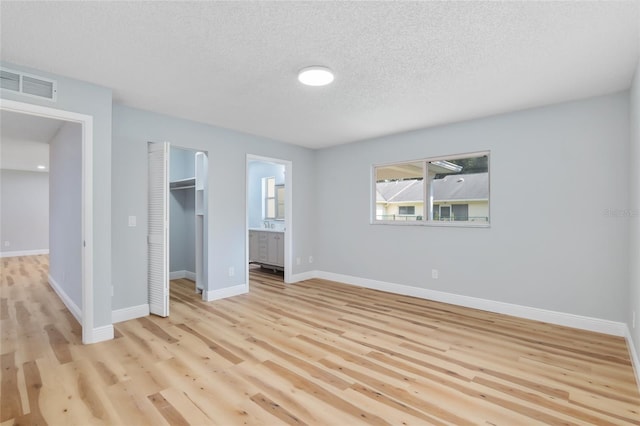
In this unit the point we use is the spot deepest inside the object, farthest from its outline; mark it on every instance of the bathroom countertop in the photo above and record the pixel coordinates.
(267, 230)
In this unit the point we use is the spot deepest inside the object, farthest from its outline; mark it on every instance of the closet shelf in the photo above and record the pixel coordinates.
(183, 183)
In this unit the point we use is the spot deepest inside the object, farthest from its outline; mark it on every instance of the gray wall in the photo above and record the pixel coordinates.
(182, 164)
(256, 171)
(65, 207)
(554, 171)
(24, 210)
(634, 217)
(85, 98)
(227, 151)
(182, 238)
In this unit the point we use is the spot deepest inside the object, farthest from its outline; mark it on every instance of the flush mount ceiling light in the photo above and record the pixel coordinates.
(41, 167)
(315, 76)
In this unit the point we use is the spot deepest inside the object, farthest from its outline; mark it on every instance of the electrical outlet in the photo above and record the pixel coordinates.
(434, 274)
(132, 221)
(7, 243)
(297, 260)
(310, 259)
(232, 271)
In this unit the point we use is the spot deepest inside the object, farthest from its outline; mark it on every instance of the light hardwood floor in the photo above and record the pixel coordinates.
(316, 353)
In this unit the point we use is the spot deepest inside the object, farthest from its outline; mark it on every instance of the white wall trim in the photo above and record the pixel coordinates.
(177, 275)
(553, 317)
(635, 358)
(71, 306)
(296, 278)
(132, 312)
(98, 334)
(223, 293)
(23, 253)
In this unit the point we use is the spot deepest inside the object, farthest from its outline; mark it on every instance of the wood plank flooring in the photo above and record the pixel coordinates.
(313, 353)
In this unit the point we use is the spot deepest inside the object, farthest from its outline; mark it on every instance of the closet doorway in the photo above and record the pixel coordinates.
(177, 221)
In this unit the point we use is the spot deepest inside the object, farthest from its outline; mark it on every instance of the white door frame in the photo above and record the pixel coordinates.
(86, 121)
(288, 212)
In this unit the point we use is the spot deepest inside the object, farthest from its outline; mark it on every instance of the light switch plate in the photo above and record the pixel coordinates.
(132, 221)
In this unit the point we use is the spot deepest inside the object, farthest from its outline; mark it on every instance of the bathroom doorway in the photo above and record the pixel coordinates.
(269, 228)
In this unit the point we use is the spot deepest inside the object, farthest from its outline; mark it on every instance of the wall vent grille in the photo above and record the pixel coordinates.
(28, 84)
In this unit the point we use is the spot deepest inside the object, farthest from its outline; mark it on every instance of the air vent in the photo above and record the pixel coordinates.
(28, 84)
(10, 81)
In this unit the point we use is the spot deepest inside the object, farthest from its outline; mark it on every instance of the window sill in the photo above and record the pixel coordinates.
(435, 223)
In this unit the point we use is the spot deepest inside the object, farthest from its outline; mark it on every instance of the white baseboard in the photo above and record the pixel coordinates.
(552, 317)
(95, 335)
(295, 278)
(543, 315)
(71, 306)
(23, 253)
(126, 314)
(98, 334)
(223, 293)
(176, 275)
(635, 359)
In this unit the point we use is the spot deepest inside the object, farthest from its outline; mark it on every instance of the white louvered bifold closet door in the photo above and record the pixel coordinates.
(158, 241)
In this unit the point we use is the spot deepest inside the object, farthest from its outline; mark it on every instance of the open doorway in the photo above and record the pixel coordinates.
(24, 183)
(71, 195)
(186, 223)
(177, 221)
(269, 204)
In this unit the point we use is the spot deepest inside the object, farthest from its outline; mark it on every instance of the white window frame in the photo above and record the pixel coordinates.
(266, 198)
(427, 216)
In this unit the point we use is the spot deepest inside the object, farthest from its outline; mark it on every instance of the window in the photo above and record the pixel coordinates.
(445, 212)
(460, 212)
(407, 210)
(269, 194)
(443, 190)
(280, 198)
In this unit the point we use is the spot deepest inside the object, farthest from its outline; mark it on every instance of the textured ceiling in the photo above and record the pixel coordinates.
(399, 65)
